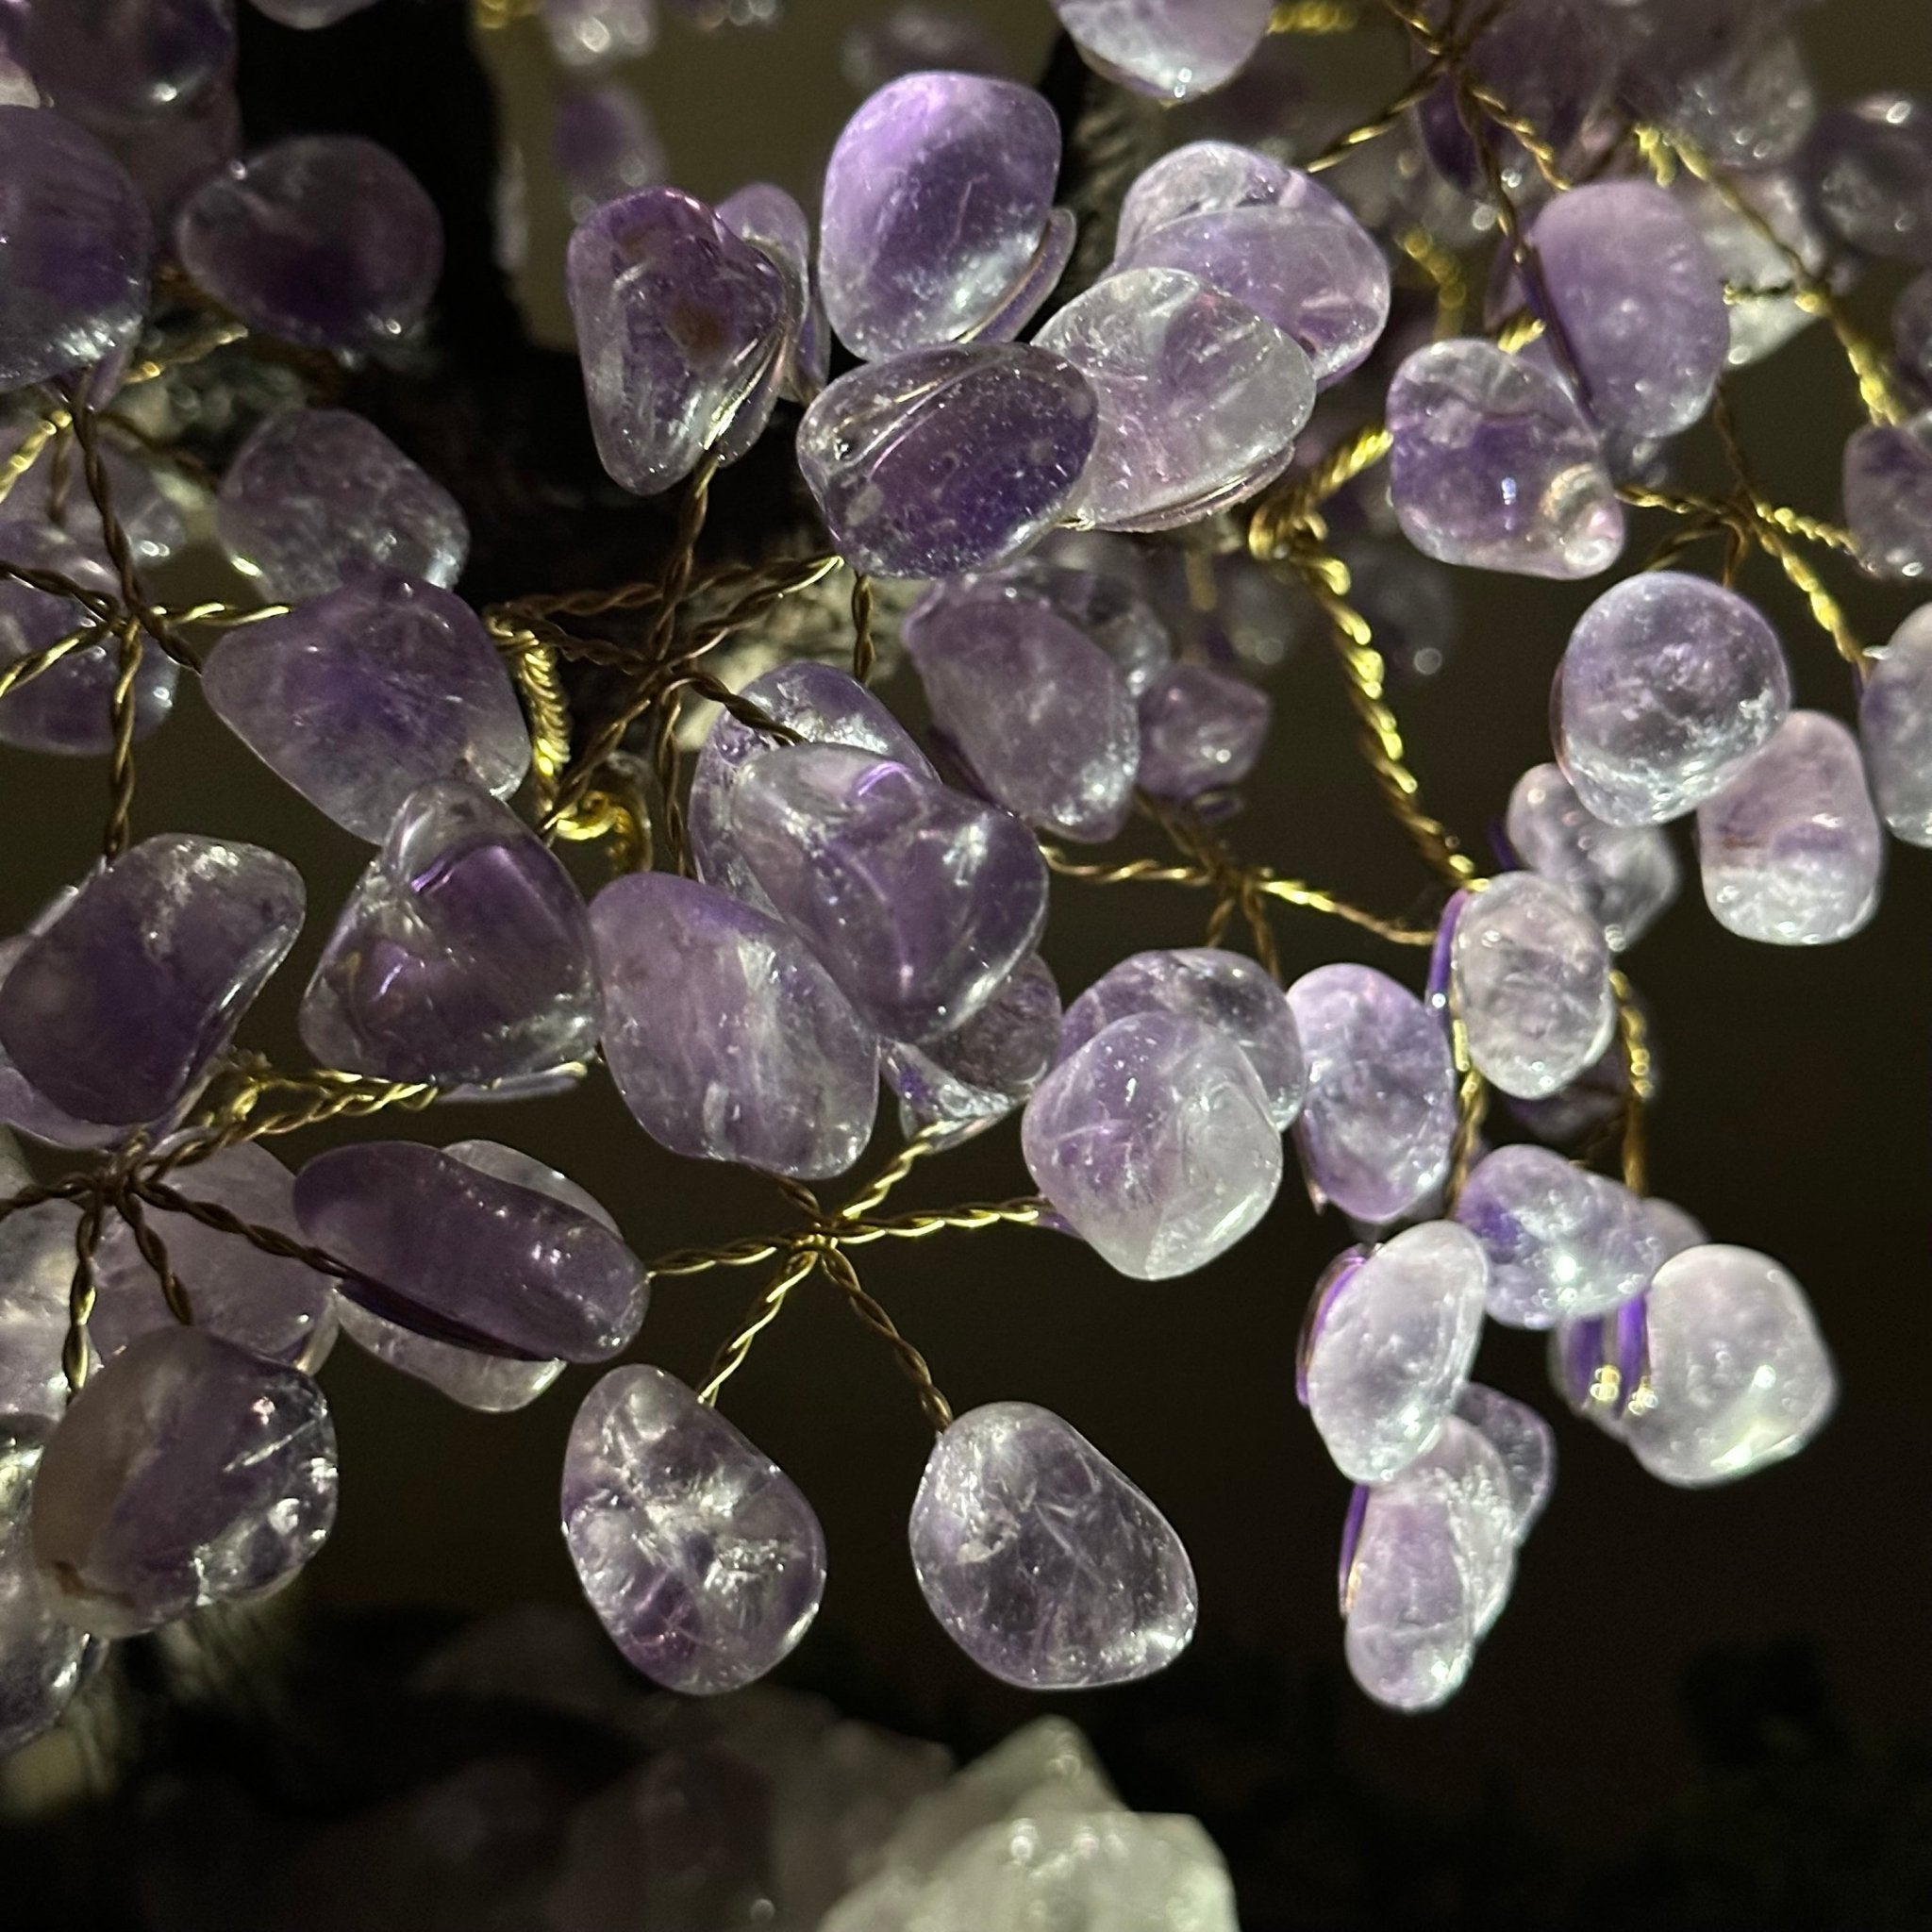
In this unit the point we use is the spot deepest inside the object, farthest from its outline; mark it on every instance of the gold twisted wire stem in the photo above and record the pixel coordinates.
(839, 1268)
(1314, 17)
(154, 1250)
(121, 765)
(30, 448)
(81, 1298)
(1446, 274)
(1343, 146)
(1313, 899)
(761, 1314)
(534, 668)
(1639, 1083)
(967, 1219)
(114, 536)
(24, 669)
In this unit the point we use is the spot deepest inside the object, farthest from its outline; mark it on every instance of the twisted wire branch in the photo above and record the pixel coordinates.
(1639, 1083)
(154, 1250)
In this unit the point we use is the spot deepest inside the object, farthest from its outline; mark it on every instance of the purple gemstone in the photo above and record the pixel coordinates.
(1104, 597)
(988, 1067)
(1335, 1278)
(1911, 329)
(1172, 49)
(696, 1550)
(1872, 167)
(361, 695)
(117, 62)
(316, 497)
(44, 1659)
(21, 1105)
(37, 1261)
(323, 239)
(595, 33)
(1623, 875)
(1888, 496)
(915, 38)
(114, 1012)
(1200, 730)
(947, 459)
(1895, 727)
(77, 244)
(775, 225)
(1748, 259)
(170, 156)
(1525, 1442)
(605, 146)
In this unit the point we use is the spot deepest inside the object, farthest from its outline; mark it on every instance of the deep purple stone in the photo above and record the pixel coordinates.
(1200, 730)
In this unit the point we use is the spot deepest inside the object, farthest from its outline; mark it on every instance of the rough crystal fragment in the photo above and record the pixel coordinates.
(1200, 730)
(947, 459)
(1379, 1122)
(322, 239)
(1737, 1374)
(605, 145)
(1790, 850)
(697, 1553)
(186, 1473)
(37, 1256)
(121, 63)
(1669, 684)
(44, 1659)
(1623, 876)
(991, 1064)
(1041, 1560)
(316, 495)
(918, 901)
(1154, 1141)
(594, 33)
(1888, 488)
(1872, 163)
(114, 1011)
(1526, 1444)
(1173, 49)
(451, 1249)
(359, 696)
(1390, 1351)
(726, 1038)
(1495, 466)
(1895, 729)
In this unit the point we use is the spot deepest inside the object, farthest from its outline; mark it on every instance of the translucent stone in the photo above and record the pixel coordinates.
(1388, 1351)
(114, 1011)
(129, 62)
(1674, 1227)
(45, 496)
(36, 1261)
(1201, 398)
(915, 38)
(1200, 730)
(605, 145)
(1668, 684)
(23, 1104)
(1911, 329)
(936, 202)
(947, 459)
(697, 1552)
(1524, 1443)
(594, 33)
(44, 1659)
(918, 901)
(1738, 1377)
(1792, 850)
(309, 14)
(1041, 1560)
(1272, 238)
(726, 1038)
(988, 1067)
(315, 496)
(1107, 600)
(359, 696)
(462, 955)
(1173, 49)
(186, 1473)
(1895, 729)
(1225, 990)
(1747, 258)
(1562, 1242)
(270, 1306)
(1041, 714)
(1531, 984)
(1621, 876)
(1495, 466)
(1379, 1122)
(1153, 1141)
(1887, 488)
(77, 247)
(452, 1249)
(773, 224)
(1640, 300)
(1871, 164)
(322, 239)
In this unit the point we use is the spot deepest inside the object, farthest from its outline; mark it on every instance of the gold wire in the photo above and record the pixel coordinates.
(1314, 17)
(1639, 1083)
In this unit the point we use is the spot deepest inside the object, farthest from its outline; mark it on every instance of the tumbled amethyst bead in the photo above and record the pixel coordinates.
(36, 1261)
(1911, 329)
(118, 63)
(324, 240)
(23, 1104)
(1103, 594)
(698, 1554)
(1201, 729)
(1524, 1443)
(1888, 488)
(947, 459)
(1173, 49)
(988, 1067)
(1621, 876)
(773, 224)
(1895, 727)
(1872, 166)
(44, 1659)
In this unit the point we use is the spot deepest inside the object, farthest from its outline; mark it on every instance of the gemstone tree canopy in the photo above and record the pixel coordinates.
(947, 459)
(1173, 49)
(1621, 876)
(1888, 496)
(114, 1011)
(357, 698)
(1041, 1560)
(698, 1554)
(1895, 726)
(186, 1471)
(986, 1067)
(726, 1038)
(917, 899)
(1153, 1141)
(1200, 730)
(43, 1658)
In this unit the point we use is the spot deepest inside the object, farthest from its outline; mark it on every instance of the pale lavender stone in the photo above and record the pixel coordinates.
(1200, 730)
(1639, 302)
(459, 1254)
(21, 1105)
(773, 224)
(37, 1263)
(1153, 1141)
(462, 955)
(605, 145)
(1623, 875)
(1225, 990)
(1888, 488)
(935, 204)
(698, 1554)
(150, 518)
(1531, 983)
(947, 459)
(681, 331)
(44, 1659)
(324, 240)
(117, 61)
(1524, 1442)
(1738, 1377)
(315, 496)
(1172, 49)
(1792, 850)
(988, 1067)
(1495, 465)
(726, 1038)
(359, 696)
(918, 901)
(1102, 595)
(1747, 258)
(595, 33)
(915, 38)
(1203, 177)
(1673, 1226)
(273, 1307)
(1911, 329)
(1895, 729)
(309, 14)
(186, 1473)
(74, 262)
(1041, 1560)
(114, 1011)
(1562, 1243)
(1201, 399)
(1042, 715)
(1872, 166)
(1668, 684)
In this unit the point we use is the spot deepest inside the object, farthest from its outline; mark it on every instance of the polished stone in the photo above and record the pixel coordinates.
(43, 1658)
(990, 1065)
(1200, 730)
(1173, 49)
(1621, 876)
(1888, 492)
(1895, 729)
(1871, 165)
(1525, 1442)
(117, 62)
(37, 1263)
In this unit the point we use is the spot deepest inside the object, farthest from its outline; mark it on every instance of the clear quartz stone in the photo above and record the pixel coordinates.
(43, 1658)
(1172, 49)
(1623, 875)
(1888, 491)
(1895, 729)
